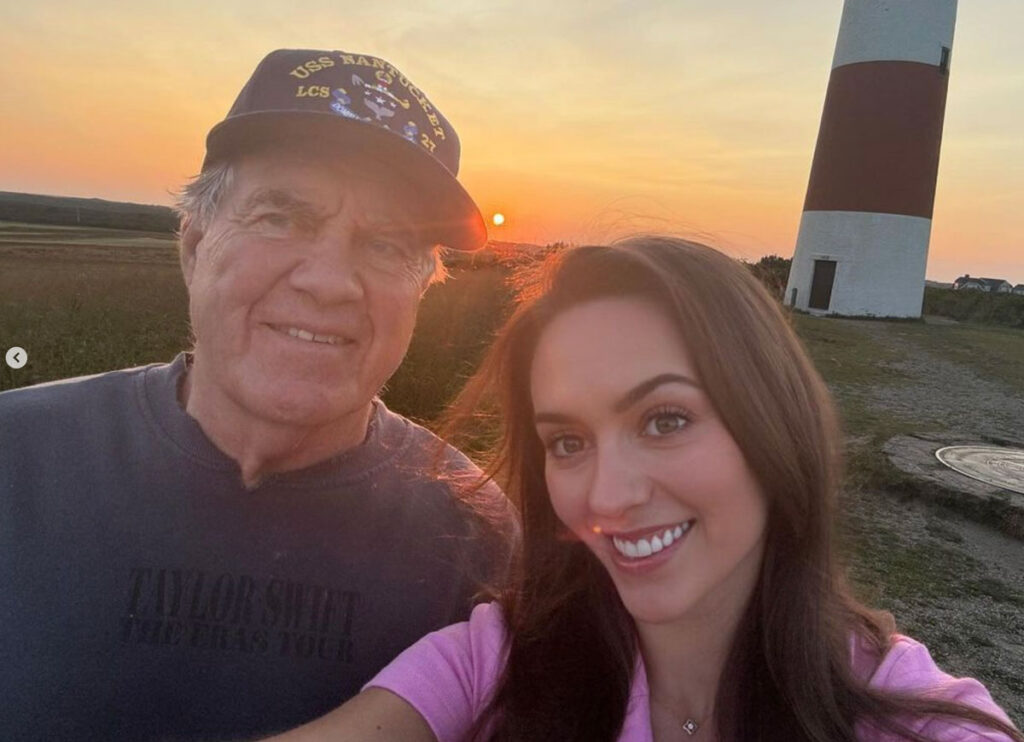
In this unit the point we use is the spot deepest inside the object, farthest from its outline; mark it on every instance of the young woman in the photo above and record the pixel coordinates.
(675, 460)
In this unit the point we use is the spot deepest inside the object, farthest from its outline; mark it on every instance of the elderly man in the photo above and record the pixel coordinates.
(233, 543)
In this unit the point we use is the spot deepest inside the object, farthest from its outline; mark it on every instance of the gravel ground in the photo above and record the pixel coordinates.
(955, 585)
(944, 392)
(952, 584)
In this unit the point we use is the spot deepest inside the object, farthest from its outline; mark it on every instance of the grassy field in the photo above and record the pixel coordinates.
(79, 307)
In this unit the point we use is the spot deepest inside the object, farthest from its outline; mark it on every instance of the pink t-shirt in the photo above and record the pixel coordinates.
(448, 676)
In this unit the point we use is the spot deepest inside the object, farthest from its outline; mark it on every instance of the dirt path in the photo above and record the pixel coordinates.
(956, 585)
(944, 392)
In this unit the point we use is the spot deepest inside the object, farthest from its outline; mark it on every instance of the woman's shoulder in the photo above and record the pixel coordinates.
(908, 667)
(472, 650)
(480, 640)
(448, 676)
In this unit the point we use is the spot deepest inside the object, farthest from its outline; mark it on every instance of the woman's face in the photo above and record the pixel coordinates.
(640, 467)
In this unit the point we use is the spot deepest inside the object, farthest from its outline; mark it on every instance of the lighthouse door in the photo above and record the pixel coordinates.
(821, 284)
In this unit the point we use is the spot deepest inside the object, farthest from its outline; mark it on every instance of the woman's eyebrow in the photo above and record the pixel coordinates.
(551, 417)
(644, 388)
(630, 398)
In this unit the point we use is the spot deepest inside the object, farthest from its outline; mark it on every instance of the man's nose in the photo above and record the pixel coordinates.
(618, 483)
(329, 268)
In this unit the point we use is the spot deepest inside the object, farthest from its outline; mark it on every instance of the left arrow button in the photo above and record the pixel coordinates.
(16, 357)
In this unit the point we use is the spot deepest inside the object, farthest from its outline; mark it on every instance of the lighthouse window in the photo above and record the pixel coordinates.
(944, 62)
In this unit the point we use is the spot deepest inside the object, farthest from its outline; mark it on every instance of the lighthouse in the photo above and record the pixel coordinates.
(862, 246)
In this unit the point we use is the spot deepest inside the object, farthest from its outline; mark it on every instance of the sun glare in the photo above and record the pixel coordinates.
(498, 219)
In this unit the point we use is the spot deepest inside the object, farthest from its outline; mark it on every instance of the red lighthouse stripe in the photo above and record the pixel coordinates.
(878, 146)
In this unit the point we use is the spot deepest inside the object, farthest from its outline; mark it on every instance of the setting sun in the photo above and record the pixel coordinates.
(498, 219)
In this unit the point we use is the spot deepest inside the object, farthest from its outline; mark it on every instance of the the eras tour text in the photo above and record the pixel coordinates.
(238, 613)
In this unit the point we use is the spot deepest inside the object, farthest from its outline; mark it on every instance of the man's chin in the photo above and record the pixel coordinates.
(310, 410)
(300, 402)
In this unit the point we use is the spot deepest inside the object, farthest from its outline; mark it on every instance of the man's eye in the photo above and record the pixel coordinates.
(388, 254)
(664, 423)
(565, 445)
(390, 249)
(276, 220)
(386, 248)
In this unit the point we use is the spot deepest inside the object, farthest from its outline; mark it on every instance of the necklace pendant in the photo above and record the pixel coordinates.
(690, 727)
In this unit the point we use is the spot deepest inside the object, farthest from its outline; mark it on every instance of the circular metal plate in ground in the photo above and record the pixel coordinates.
(1000, 467)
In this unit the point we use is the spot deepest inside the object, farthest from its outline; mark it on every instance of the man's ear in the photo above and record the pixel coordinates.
(190, 236)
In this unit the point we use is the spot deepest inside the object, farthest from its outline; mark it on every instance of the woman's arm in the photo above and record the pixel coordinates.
(376, 715)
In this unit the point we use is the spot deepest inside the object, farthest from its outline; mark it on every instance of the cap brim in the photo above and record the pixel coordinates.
(458, 223)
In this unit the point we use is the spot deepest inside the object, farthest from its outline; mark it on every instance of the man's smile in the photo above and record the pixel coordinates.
(301, 334)
(321, 337)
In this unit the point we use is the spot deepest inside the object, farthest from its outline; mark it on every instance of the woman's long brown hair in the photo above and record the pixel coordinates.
(572, 645)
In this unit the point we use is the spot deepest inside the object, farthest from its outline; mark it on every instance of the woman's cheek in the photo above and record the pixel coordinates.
(557, 494)
(569, 503)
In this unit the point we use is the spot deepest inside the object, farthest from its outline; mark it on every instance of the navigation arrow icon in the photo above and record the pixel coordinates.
(16, 357)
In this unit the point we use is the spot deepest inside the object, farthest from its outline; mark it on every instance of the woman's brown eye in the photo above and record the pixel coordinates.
(566, 445)
(664, 423)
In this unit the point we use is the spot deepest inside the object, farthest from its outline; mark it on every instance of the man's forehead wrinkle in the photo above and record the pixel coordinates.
(283, 198)
(278, 197)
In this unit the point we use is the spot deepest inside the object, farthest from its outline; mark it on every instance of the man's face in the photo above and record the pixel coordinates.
(303, 288)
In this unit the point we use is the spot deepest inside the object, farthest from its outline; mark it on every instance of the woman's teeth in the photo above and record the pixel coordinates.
(644, 547)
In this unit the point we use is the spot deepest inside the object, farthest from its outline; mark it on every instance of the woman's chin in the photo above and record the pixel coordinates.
(651, 608)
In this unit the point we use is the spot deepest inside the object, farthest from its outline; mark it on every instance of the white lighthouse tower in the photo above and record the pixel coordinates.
(863, 240)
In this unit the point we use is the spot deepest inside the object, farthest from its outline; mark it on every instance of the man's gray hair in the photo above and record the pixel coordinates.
(199, 199)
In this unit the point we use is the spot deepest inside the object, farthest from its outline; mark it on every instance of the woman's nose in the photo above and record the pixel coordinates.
(618, 484)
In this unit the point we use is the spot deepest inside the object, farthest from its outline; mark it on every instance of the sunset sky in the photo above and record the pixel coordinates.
(580, 121)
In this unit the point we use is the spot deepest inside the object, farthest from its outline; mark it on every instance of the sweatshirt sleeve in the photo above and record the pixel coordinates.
(909, 667)
(448, 676)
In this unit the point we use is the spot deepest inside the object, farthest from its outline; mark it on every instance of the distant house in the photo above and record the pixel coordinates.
(966, 283)
(998, 285)
(1019, 288)
(991, 285)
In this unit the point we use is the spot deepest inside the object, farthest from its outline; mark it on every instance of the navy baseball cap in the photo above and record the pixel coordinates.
(355, 101)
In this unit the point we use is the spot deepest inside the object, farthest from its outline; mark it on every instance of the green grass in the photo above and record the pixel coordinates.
(854, 363)
(851, 362)
(885, 566)
(991, 351)
(843, 354)
(77, 318)
(455, 325)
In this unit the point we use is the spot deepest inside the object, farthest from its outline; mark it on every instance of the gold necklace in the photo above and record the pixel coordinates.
(690, 726)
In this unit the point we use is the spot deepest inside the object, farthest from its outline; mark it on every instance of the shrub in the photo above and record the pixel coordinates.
(976, 306)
